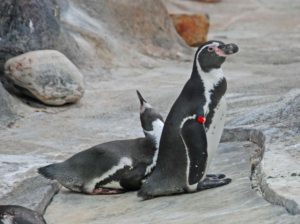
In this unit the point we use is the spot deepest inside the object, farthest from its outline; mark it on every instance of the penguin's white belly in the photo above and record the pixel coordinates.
(124, 161)
(114, 185)
(214, 133)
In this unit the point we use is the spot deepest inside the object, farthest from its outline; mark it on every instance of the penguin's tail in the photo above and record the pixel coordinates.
(49, 172)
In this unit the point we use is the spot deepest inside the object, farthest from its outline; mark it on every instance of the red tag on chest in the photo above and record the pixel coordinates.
(201, 119)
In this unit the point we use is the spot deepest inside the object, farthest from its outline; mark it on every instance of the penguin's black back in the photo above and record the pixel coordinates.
(171, 144)
(93, 162)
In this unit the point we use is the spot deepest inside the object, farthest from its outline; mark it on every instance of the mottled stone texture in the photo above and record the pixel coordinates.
(47, 76)
(192, 28)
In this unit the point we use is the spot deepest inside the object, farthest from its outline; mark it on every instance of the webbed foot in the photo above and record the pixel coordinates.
(215, 176)
(102, 190)
(212, 181)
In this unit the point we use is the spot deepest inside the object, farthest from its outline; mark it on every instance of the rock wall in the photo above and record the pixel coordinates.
(94, 35)
(28, 25)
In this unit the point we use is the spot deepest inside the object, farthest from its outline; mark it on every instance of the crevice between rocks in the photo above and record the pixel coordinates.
(258, 176)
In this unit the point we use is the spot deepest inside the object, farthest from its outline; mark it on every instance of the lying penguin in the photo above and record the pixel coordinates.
(193, 128)
(13, 214)
(112, 167)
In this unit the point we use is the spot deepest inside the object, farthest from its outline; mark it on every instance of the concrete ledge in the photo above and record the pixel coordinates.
(269, 193)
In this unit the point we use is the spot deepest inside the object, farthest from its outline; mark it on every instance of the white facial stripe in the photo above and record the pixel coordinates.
(143, 108)
(122, 163)
(214, 44)
(156, 134)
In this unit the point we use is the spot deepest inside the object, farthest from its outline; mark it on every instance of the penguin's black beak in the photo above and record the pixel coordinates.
(141, 98)
(227, 49)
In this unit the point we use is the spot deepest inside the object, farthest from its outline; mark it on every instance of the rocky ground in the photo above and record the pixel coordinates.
(235, 203)
(262, 94)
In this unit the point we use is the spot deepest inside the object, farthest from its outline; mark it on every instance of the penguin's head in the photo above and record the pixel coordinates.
(150, 118)
(212, 54)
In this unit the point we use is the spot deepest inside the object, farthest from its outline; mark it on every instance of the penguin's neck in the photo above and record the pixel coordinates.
(210, 80)
(155, 134)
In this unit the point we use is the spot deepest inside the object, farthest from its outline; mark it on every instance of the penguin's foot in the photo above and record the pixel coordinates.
(214, 176)
(102, 190)
(212, 182)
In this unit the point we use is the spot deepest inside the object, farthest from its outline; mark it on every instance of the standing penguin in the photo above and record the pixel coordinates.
(193, 128)
(13, 214)
(112, 167)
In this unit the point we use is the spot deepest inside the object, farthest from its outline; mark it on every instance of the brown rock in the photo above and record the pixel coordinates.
(192, 28)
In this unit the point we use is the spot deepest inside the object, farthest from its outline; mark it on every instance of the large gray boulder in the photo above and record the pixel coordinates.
(47, 76)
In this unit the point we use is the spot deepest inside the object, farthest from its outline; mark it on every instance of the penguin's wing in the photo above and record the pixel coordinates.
(132, 179)
(194, 137)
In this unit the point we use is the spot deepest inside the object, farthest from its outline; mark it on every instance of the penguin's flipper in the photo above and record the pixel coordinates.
(194, 137)
(132, 180)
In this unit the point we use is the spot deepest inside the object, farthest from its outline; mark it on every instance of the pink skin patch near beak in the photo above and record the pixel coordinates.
(220, 53)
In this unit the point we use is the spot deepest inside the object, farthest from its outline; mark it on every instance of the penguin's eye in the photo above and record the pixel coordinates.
(210, 49)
